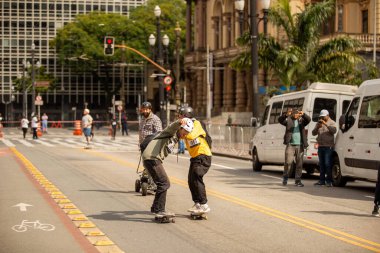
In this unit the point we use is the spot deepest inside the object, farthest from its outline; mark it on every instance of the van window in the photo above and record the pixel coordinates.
(265, 116)
(324, 103)
(345, 105)
(351, 113)
(275, 112)
(293, 104)
(369, 116)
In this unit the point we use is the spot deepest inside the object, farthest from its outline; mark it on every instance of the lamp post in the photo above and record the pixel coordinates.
(265, 7)
(33, 79)
(239, 5)
(25, 65)
(178, 70)
(165, 42)
(157, 13)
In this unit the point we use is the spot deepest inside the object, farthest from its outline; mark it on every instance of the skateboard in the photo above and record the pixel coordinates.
(87, 147)
(165, 218)
(198, 215)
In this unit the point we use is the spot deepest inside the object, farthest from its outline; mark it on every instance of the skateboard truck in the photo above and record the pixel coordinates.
(165, 218)
(198, 216)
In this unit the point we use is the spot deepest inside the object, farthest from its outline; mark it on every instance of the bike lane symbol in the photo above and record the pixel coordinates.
(25, 224)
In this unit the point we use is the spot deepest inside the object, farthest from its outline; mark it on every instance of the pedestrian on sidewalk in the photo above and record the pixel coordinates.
(325, 130)
(200, 161)
(24, 125)
(295, 139)
(154, 154)
(34, 125)
(113, 128)
(44, 123)
(124, 123)
(86, 125)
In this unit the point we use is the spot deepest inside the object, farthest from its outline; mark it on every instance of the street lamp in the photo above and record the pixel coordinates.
(239, 5)
(33, 79)
(178, 71)
(25, 66)
(157, 13)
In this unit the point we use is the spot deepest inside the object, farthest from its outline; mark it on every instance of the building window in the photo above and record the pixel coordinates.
(217, 32)
(365, 21)
(229, 32)
(340, 18)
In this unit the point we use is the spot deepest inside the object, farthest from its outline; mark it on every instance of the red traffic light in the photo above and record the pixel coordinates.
(109, 41)
(168, 88)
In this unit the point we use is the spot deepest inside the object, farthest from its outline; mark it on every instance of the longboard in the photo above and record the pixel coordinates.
(198, 215)
(165, 218)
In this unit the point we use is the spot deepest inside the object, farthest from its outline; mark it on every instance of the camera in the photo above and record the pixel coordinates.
(320, 121)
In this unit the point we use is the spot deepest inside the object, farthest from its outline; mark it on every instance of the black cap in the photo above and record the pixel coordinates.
(146, 105)
(186, 111)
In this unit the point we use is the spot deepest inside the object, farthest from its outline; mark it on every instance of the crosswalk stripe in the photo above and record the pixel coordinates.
(59, 141)
(26, 143)
(8, 143)
(45, 143)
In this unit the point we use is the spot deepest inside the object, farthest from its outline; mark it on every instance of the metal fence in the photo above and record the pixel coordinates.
(231, 139)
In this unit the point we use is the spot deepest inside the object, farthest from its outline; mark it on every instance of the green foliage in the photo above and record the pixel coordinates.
(40, 75)
(302, 58)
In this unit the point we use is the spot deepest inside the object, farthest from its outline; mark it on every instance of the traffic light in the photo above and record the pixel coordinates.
(109, 45)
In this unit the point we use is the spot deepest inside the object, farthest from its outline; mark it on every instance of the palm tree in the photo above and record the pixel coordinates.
(301, 58)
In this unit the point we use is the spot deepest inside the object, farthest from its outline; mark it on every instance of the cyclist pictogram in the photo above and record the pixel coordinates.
(32, 224)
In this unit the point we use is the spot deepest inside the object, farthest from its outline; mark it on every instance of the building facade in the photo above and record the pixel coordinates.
(213, 26)
(24, 22)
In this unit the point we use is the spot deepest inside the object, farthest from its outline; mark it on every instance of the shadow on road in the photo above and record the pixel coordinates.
(135, 216)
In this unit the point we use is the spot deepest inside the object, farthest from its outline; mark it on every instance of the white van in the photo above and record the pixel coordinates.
(357, 146)
(267, 144)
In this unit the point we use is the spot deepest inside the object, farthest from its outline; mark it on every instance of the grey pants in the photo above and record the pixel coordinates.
(293, 153)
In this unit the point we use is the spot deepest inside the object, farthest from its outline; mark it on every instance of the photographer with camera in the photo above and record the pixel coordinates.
(325, 129)
(295, 139)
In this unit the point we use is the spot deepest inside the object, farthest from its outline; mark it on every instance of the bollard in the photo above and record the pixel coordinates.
(1, 131)
(77, 128)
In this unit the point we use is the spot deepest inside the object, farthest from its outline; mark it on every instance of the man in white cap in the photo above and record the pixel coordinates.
(86, 125)
(325, 129)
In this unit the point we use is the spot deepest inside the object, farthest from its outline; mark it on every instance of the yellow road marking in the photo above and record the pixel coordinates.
(340, 235)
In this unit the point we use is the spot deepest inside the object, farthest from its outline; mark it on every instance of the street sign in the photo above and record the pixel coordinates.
(38, 98)
(39, 102)
(119, 108)
(42, 83)
(118, 102)
(168, 80)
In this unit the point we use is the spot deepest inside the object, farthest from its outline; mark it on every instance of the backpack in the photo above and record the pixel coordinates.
(208, 137)
(147, 140)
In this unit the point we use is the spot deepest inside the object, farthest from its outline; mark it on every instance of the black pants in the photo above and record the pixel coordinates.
(124, 128)
(35, 133)
(199, 166)
(24, 131)
(377, 191)
(157, 171)
(113, 132)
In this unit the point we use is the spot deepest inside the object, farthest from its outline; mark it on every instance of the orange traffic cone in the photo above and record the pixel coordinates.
(77, 130)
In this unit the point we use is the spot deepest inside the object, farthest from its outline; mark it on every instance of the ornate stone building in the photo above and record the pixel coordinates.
(215, 25)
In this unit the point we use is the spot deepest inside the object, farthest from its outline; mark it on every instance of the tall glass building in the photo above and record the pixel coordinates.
(24, 22)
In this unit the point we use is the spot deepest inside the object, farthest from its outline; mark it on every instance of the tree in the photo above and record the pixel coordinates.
(40, 75)
(80, 43)
(301, 57)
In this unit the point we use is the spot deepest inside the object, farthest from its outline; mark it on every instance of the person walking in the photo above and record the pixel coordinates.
(325, 130)
(34, 125)
(113, 128)
(44, 119)
(200, 162)
(124, 124)
(154, 154)
(24, 125)
(295, 139)
(86, 125)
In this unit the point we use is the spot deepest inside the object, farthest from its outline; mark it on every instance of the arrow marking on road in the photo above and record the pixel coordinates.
(22, 206)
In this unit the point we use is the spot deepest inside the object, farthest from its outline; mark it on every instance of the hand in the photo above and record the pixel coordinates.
(289, 112)
(301, 113)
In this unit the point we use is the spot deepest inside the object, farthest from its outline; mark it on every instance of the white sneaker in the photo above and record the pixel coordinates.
(204, 208)
(194, 208)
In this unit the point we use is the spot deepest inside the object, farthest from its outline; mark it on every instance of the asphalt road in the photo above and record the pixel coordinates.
(250, 212)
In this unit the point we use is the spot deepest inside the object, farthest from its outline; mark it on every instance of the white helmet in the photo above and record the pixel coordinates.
(189, 126)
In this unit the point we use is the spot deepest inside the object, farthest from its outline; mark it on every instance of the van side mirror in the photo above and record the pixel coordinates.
(255, 122)
(342, 123)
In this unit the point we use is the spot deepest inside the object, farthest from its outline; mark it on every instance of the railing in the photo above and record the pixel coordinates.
(365, 38)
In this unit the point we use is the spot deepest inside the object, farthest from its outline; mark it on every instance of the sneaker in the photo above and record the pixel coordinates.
(319, 184)
(375, 211)
(194, 208)
(299, 184)
(284, 181)
(329, 185)
(204, 208)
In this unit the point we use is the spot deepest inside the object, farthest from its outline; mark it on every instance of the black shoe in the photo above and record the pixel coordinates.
(375, 211)
(284, 181)
(299, 184)
(319, 184)
(153, 211)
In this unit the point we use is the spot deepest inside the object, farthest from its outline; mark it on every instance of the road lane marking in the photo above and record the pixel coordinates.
(78, 219)
(8, 143)
(331, 232)
(44, 143)
(213, 164)
(271, 176)
(26, 143)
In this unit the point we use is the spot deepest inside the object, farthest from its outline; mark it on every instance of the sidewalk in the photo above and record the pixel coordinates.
(31, 220)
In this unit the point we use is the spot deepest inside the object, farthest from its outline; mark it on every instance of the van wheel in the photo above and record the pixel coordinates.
(256, 165)
(338, 179)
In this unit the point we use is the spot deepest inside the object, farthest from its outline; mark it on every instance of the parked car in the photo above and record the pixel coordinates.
(357, 146)
(267, 146)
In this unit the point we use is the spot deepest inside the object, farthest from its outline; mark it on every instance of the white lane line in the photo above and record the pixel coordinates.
(44, 143)
(371, 197)
(26, 143)
(8, 143)
(271, 176)
(58, 141)
(212, 164)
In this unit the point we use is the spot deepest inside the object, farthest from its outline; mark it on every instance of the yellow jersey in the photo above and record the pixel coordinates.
(195, 141)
